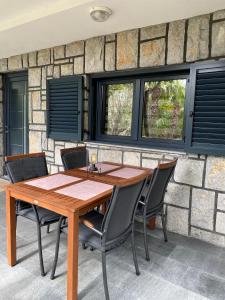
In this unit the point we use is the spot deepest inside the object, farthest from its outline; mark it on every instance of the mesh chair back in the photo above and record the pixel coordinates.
(120, 214)
(24, 167)
(157, 187)
(74, 157)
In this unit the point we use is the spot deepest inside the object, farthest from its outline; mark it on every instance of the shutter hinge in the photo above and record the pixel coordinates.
(191, 114)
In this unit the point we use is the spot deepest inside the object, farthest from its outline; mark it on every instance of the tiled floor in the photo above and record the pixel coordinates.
(182, 269)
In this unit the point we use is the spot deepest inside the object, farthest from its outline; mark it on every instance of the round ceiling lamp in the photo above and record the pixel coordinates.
(100, 13)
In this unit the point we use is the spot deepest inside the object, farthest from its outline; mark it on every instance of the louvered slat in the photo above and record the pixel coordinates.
(209, 108)
(65, 108)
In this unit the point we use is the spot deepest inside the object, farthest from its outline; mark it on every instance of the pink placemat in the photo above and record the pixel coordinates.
(51, 182)
(85, 190)
(126, 173)
(103, 167)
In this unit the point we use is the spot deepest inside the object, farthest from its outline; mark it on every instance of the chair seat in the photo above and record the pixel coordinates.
(86, 234)
(45, 216)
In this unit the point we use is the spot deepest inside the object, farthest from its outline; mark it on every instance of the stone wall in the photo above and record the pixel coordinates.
(195, 199)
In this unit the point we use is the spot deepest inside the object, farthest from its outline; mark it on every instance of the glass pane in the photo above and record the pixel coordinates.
(118, 109)
(163, 109)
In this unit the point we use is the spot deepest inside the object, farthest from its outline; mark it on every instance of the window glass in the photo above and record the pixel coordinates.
(118, 109)
(163, 109)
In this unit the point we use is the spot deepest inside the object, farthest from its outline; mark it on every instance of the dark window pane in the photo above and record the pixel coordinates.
(118, 109)
(163, 109)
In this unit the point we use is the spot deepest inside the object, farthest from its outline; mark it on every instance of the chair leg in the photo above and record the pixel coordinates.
(163, 218)
(39, 241)
(84, 246)
(56, 248)
(48, 228)
(134, 253)
(105, 276)
(40, 249)
(146, 241)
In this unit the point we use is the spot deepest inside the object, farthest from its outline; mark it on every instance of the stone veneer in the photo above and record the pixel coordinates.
(195, 199)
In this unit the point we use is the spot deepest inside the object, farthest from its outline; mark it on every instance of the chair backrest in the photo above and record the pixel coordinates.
(74, 157)
(120, 213)
(158, 184)
(26, 166)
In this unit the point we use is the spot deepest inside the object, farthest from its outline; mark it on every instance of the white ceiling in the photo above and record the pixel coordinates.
(28, 25)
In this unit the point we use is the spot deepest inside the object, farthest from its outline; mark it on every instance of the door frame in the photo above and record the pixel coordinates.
(16, 76)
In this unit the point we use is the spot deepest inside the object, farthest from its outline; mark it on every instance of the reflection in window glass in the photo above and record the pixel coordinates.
(118, 109)
(163, 109)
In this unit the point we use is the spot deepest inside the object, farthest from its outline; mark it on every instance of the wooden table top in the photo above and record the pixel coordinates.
(63, 204)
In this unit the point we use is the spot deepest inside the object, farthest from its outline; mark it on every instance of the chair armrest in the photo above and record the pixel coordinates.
(90, 225)
(142, 203)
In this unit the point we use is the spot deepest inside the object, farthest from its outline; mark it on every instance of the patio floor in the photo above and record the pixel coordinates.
(183, 268)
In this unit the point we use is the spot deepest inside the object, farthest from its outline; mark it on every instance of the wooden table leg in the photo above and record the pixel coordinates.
(11, 229)
(151, 223)
(72, 261)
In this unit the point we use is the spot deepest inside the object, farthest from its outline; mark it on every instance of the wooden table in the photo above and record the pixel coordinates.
(70, 207)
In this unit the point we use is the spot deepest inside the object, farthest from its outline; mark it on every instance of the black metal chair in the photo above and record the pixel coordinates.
(76, 157)
(24, 167)
(152, 200)
(106, 232)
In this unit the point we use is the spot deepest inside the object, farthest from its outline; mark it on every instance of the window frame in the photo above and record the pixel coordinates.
(139, 76)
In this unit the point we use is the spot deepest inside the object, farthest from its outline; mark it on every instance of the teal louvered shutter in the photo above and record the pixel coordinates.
(208, 110)
(64, 108)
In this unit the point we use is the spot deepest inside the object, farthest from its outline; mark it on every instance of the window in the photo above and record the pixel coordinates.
(163, 109)
(64, 108)
(118, 109)
(180, 107)
(143, 110)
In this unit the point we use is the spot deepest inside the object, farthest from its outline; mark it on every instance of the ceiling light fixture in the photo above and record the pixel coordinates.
(100, 13)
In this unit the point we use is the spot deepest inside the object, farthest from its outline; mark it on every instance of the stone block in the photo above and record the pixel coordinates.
(35, 141)
(51, 145)
(189, 171)
(59, 52)
(177, 220)
(54, 169)
(149, 163)
(44, 141)
(110, 155)
(218, 39)
(36, 99)
(220, 222)
(75, 48)
(78, 65)
(34, 77)
(209, 237)
(15, 63)
(175, 54)
(110, 37)
(152, 32)
(70, 145)
(152, 53)
(66, 69)
(3, 65)
(132, 158)
(39, 117)
(94, 55)
(198, 38)
(221, 202)
(44, 57)
(56, 72)
(43, 78)
(32, 59)
(50, 70)
(58, 160)
(127, 49)
(178, 194)
(110, 56)
(215, 173)
(25, 61)
(220, 14)
(202, 212)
